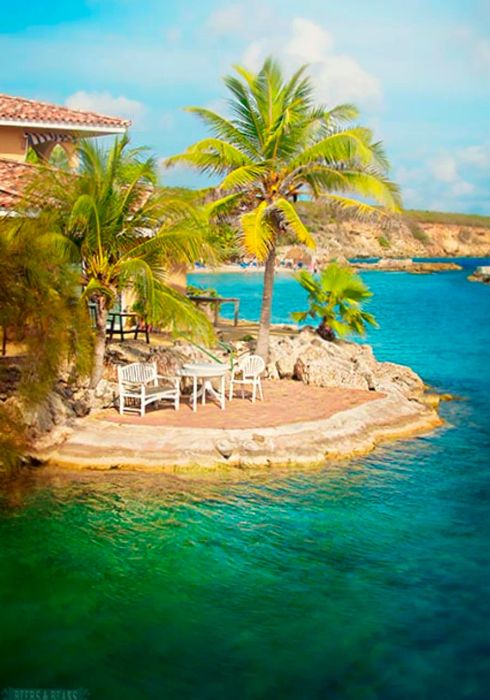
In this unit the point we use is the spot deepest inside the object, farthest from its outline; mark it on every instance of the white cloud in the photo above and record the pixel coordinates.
(241, 19)
(475, 46)
(309, 41)
(449, 181)
(482, 54)
(337, 77)
(105, 103)
(461, 188)
(444, 168)
(477, 156)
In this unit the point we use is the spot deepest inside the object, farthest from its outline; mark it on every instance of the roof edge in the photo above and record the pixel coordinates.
(67, 126)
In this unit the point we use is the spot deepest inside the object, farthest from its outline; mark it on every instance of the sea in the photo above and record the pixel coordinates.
(366, 579)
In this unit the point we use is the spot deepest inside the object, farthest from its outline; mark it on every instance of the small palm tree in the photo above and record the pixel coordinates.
(277, 145)
(126, 235)
(336, 298)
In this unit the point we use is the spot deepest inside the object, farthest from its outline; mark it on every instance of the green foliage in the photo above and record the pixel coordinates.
(128, 235)
(57, 158)
(439, 217)
(277, 145)
(196, 290)
(465, 235)
(417, 231)
(41, 311)
(384, 242)
(336, 298)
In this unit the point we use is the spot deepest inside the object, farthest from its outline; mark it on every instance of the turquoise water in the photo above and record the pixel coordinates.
(368, 579)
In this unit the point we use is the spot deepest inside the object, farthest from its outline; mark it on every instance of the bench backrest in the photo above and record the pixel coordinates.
(137, 373)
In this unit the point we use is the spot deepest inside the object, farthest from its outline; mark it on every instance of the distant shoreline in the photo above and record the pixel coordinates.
(359, 264)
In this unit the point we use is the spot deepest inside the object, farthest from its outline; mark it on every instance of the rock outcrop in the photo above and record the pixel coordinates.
(407, 265)
(397, 238)
(310, 359)
(481, 274)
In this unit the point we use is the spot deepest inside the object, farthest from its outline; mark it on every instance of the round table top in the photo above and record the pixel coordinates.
(202, 369)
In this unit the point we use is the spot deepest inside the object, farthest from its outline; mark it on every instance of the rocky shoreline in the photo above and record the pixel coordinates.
(102, 445)
(401, 407)
(407, 265)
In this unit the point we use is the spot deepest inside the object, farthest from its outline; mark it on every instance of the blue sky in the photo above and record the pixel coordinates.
(419, 70)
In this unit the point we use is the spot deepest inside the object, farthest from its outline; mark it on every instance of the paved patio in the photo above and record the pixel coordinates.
(284, 402)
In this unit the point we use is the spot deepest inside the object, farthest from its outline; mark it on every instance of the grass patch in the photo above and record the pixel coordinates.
(418, 232)
(442, 217)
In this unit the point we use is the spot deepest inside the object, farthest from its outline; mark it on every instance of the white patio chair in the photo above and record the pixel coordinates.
(139, 386)
(247, 371)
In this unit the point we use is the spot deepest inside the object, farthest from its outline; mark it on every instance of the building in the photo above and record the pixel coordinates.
(26, 124)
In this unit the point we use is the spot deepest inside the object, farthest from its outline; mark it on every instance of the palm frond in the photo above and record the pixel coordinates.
(294, 222)
(257, 233)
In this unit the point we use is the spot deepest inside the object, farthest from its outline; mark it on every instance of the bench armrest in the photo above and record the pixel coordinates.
(173, 379)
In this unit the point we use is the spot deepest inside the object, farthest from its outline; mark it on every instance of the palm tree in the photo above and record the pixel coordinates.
(336, 298)
(279, 144)
(126, 235)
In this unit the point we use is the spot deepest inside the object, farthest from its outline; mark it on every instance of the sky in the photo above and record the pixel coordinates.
(419, 70)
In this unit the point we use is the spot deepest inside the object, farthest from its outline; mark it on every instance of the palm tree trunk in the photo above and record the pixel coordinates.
(4, 340)
(265, 313)
(100, 342)
(324, 331)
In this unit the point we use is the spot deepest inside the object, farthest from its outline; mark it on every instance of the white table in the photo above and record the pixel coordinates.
(206, 372)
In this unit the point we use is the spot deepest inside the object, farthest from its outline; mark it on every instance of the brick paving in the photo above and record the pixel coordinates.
(285, 401)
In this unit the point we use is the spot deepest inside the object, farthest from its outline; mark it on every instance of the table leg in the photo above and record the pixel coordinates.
(222, 397)
(111, 327)
(194, 393)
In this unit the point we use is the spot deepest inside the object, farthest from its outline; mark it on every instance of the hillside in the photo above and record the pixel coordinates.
(415, 234)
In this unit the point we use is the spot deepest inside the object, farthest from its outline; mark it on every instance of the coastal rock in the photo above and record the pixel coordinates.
(225, 448)
(105, 394)
(388, 376)
(481, 274)
(407, 265)
(312, 360)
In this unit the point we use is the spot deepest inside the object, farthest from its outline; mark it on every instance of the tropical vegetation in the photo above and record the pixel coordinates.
(278, 145)
(336, 299)
(126, 236)
(43, 323)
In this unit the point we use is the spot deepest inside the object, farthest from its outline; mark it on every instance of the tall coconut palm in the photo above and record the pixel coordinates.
(126, 235)
(277, 145)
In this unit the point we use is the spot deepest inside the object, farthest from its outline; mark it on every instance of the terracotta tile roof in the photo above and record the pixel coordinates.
(14, 177)
(20, 109)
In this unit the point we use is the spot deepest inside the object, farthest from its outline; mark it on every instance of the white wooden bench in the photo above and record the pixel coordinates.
(139, 386)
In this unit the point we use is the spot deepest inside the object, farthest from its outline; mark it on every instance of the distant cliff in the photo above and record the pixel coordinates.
(415, 234)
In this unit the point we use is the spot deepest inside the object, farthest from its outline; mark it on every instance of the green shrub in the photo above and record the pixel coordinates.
(384, 242)
(443, 217)
(196, 291)
(418, 232)
(464, 235)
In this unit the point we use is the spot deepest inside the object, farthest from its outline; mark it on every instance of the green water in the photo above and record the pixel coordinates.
(368, 579)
